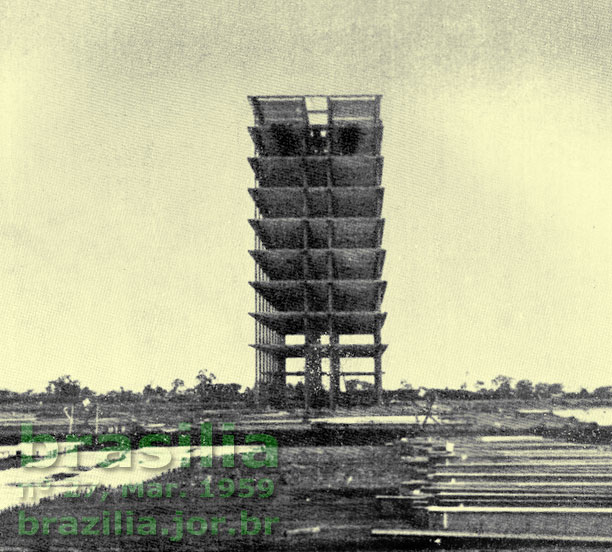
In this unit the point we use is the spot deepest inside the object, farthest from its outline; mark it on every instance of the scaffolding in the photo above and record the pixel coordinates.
(318, 233)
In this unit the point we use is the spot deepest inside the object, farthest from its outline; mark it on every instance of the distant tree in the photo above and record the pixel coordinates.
(547, 390)
(603, 392)
(64, 388)
(176, 385)
(205, 377)
(556, 388)
(205, 383)
(126, 395)
(248, 397)
(149, 392)
(226, 392)
(503, 386)
(7, 396)
(524, 389)
(360, 392)
(122, 396)
(353, 386)
(500, 380)
(296, 394)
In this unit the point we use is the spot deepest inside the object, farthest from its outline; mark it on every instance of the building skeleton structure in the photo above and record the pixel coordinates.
(318, 233)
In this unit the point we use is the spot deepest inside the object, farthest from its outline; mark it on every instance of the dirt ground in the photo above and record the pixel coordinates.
(319, 494)
(323, 497)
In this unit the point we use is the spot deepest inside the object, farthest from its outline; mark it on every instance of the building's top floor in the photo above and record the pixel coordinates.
(312, 110)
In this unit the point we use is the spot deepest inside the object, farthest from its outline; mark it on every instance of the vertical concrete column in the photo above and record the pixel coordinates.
(378, 366)
(281, 370)
(305, 321)
(313, 363)
(279, 385)
(334, 370)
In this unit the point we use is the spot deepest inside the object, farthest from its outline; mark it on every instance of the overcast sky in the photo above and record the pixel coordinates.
(123, 182)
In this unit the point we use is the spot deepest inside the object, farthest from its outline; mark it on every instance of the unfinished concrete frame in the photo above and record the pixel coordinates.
(318, 233)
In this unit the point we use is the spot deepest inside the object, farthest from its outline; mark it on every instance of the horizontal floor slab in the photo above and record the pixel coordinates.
(293, 139)
(318, 202)
(319, 233)
(325, 351)
(319, 264)
(334, 108)
(322, 322)
(318, 171)
(322, 295)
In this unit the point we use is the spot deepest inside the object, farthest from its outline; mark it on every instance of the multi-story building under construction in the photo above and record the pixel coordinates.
(318, 233)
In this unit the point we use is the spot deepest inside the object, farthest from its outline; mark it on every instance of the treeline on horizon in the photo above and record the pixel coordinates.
(65, 389)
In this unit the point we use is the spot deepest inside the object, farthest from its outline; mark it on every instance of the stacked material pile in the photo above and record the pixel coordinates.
(504, 487)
